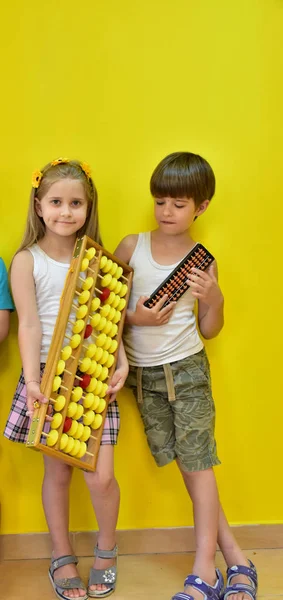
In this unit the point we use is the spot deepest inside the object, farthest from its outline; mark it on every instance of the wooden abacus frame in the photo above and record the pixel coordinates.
(175, 285)
(88, 461)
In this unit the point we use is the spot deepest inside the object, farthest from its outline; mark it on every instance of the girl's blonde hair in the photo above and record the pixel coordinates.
(52, 172)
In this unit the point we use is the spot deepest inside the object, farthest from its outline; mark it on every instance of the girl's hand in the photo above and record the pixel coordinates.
(34, 398)
(152, 316)
(204, 286)
(118, 381)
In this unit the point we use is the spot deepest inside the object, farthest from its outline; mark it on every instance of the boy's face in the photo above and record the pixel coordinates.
(176, 215)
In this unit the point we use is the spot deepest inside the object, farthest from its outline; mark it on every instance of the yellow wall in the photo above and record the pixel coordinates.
(120, 85)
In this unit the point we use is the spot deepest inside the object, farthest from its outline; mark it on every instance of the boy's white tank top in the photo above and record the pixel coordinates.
(151, 346)
(49, 278)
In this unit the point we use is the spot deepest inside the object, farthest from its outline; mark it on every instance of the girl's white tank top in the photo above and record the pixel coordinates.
(151, 346)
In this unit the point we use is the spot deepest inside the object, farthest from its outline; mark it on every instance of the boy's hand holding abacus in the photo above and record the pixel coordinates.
(204, 286)
(155, 316)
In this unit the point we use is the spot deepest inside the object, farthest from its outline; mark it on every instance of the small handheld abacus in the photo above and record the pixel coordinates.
(175, 285)
(82, 356)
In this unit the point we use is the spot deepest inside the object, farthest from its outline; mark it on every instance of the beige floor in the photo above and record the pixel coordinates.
(143, 577)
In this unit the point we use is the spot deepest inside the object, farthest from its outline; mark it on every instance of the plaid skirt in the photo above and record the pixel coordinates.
(18, 423)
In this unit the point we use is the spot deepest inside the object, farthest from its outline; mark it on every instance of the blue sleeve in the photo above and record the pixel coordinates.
(6, 302)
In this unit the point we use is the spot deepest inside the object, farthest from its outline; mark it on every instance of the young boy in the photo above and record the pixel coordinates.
(6, 303)
(169, 370)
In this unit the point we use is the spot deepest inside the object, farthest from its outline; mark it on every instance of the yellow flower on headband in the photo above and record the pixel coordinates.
(86, 169)
(36, 179)
(59, 161)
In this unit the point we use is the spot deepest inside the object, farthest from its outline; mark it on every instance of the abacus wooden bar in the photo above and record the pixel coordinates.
(82, 356)
(175, 285)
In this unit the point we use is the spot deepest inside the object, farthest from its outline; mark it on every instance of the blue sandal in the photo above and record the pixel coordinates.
(62, 585)
(209, 592)
(237, 588)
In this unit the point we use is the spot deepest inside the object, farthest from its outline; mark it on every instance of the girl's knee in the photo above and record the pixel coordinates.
(57, 471)
(100, 482)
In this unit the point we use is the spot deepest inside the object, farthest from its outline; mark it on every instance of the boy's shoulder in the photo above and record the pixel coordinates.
(125, 249)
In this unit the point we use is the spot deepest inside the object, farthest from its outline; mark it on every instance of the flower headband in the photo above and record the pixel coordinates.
(37, 175)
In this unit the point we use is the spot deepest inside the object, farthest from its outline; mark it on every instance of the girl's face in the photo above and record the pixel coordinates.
(64, 207)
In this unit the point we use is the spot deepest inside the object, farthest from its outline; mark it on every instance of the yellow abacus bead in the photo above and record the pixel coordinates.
(110, 361)
(103, 262)
(112, 313)
(90, 253)
(79, 431)
(97, 422)
(121, 304)
(75, 340)
(56, 421)
(98, 389)
(101, 324)
(107, 327)
(110, 298)
(92, 368)
(84, 297)
(60, 403)
(70, 445)
(112, 284)
(124, 290)
(117, 317)
(88, 283)
(98, 369)
(104, 357)
(114, 330)
(95, 304)
(101, 406)
(92, 385)
(95, 320)
(66, 352)
(118, 288)
(60, 367)
(104, 390)
(76, 448)
(63, 441)
(72, 409)
(56, 383)
(113, 347)
(91, 350)
(116, 301)
(84, 264)
(104, 311)
(98, 354)
(88, 400)
(106, 280)
(81, 312)
(113, 269)
(52, 438)
(88, 417)
(77, 393)
(78, 326)
(108, 266)
(85, 364)
(104, 374)
(73, 428)
(82, 450)
(79, 412)
(95, 403)
(86, 433)
(100, 340)
(119, 272)
(107, 344)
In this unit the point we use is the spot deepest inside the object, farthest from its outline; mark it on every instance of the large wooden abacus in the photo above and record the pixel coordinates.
(176, 284)
(82, 356)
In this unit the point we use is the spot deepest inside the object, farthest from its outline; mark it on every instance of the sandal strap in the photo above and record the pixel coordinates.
(61, 561)
(249, 572)
(182, 596)
(105, 576)
(237, 588)
(69, 584)
(213, 592)
(105, 553)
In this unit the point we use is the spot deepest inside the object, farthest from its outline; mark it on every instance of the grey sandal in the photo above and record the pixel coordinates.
(61, 585)
(103, 576)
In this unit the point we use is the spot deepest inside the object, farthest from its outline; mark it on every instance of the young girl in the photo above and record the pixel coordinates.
(63, 205)
(169, 371)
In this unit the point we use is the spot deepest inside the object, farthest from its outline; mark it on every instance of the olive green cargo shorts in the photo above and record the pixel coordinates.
(178, 412)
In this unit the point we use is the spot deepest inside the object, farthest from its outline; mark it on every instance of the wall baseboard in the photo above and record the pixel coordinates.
(137, 541)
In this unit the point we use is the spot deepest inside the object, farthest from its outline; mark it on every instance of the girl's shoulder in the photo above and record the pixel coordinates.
(23, 260)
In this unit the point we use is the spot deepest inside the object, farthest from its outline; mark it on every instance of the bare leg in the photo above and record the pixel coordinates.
(202, 489)
(55, 498)
(232, 553)
(105, 497)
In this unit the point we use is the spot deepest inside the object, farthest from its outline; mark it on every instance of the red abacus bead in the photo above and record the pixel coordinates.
(85, 381)
(67, 424)
(105, 294)
(88, 331)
